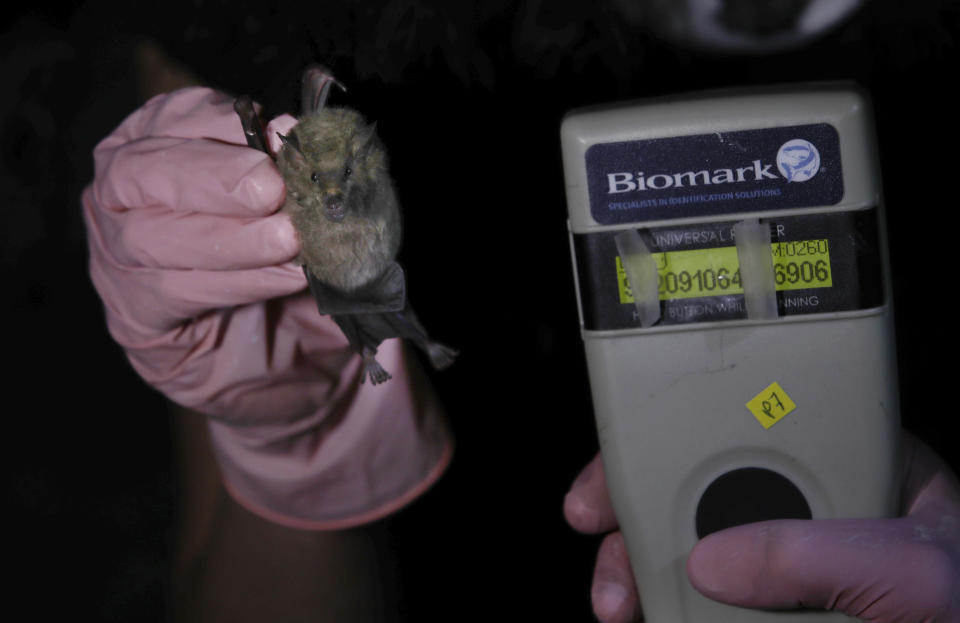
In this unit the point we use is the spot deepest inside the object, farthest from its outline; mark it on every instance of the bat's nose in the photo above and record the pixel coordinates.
(333, 208)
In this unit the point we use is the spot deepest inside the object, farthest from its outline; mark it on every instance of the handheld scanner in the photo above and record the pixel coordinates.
(731, 271)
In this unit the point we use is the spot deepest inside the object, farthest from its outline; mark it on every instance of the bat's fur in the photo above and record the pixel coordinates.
(342, 203)
(340, 197)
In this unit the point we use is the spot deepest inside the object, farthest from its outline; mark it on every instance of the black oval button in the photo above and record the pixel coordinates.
(747, 495)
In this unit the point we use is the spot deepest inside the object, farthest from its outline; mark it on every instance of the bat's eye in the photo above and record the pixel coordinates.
(347, 172)
(315, 178)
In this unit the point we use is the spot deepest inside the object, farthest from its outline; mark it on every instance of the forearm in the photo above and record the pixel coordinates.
(233, 565)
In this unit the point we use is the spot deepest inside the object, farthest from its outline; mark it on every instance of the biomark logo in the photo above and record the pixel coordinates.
(797, 161)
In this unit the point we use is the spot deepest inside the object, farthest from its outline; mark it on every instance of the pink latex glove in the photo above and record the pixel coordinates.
(192, 260)
(904, 570)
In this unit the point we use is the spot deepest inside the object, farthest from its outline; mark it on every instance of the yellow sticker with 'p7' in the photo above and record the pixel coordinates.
(770, 405)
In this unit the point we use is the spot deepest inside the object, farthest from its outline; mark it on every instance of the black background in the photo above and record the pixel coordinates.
(468, 98)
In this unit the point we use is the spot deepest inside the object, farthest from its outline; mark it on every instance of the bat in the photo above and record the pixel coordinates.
(343, 205)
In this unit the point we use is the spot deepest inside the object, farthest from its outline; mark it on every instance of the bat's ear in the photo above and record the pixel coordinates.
(317, 81)
(291, 141)
(367, 138)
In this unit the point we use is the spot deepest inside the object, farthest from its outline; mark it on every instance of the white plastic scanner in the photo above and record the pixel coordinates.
(750, 374)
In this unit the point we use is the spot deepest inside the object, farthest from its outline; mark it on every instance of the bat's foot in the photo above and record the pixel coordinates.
(441, 355)
(373, 369)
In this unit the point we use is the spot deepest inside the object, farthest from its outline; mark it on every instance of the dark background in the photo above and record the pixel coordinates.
(468, 98)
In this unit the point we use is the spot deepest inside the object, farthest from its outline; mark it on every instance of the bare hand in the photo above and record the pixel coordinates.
(883, 570)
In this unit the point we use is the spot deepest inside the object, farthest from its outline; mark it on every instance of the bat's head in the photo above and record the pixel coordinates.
(332, 161)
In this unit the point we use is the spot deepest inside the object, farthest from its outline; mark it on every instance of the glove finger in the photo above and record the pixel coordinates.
(162, 238)
(192, 292)
(188, 176)
(196, 112)
(144, 302)
(254, 366)
(587, 505)
(876, 570)
(614, 592)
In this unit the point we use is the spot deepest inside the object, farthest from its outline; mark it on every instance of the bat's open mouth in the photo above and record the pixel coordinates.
(334, 210)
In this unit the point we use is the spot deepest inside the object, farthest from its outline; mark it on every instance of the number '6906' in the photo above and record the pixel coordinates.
(807, 272)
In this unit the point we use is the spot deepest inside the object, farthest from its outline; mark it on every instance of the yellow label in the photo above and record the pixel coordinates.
(712, 272)
(770, 405)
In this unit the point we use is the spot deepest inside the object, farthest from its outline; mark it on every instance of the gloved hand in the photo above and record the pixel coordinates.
(185, 246)
(887, 570)
(192, 260)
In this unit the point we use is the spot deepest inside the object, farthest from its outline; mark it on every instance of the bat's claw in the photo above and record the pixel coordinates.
(441, 355)
(373, 369)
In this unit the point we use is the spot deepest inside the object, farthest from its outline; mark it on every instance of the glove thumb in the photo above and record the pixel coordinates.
(876, 570)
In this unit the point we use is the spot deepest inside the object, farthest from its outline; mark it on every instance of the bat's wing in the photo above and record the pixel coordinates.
(367, 331)
(377, 312)
(250, 120)
(406, 325)
(386, 293)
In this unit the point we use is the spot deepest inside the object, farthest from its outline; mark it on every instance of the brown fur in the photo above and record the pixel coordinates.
(340, 157)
